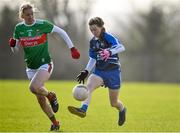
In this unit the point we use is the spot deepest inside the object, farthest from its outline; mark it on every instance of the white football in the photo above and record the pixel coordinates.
(80, 92)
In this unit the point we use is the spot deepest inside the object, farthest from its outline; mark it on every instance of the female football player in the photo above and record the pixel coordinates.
(32, 35)
(104, 60)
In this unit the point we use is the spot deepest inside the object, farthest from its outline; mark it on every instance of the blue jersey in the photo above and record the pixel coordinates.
(108, 41)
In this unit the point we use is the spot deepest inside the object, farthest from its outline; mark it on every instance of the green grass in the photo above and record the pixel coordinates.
(150, 107)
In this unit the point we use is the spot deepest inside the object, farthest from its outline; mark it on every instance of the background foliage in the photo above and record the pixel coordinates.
(151, 39)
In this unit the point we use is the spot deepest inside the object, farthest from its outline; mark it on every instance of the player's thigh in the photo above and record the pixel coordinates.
(94, 82)
(39, 78)
(42, 75)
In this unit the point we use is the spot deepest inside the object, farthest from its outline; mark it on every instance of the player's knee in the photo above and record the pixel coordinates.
(33, 89)
(114, 104)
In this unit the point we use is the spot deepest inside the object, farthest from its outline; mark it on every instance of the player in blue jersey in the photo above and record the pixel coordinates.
(104, 61)
(32, 36)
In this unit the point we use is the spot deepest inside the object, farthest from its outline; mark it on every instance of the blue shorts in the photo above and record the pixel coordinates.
(111, 78)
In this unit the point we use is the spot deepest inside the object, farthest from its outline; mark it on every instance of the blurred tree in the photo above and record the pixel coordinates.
(72, 17)
(152, 46)
(11, 66)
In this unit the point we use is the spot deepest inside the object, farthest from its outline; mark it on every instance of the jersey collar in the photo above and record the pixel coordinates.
(30, 24)
(95, 38)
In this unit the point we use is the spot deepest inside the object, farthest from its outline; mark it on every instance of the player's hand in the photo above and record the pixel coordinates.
(12, 42)
(105, 54)
(75, 53)
(82, 76)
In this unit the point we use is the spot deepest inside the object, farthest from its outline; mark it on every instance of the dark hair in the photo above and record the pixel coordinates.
(97, 21)
(100, 23)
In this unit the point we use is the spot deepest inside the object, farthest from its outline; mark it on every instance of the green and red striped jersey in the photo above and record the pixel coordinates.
(34, 41)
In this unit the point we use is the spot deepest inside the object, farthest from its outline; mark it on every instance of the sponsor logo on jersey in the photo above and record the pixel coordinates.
(22, 33)
(33, 41)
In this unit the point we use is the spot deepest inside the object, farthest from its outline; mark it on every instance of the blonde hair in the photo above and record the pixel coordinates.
(24, 6)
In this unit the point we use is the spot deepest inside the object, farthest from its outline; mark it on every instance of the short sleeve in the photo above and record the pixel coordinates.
(48, 26)
(92, 54)
(112, 39)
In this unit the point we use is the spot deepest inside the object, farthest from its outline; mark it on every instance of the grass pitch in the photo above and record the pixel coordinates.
(151, 107)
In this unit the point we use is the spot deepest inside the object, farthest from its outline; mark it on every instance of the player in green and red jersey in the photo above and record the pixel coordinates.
(32, 35)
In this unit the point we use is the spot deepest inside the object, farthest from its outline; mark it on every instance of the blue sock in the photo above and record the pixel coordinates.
(84, 107)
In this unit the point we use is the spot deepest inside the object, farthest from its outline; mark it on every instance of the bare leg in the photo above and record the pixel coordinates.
(44, 105)
(37, 87)
(37, 83)
(114, 101)
(93, 83)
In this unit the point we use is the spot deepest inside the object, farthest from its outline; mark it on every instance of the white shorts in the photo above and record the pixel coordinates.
(31, 72)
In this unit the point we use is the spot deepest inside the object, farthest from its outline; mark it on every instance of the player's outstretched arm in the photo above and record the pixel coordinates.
(74, 52)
